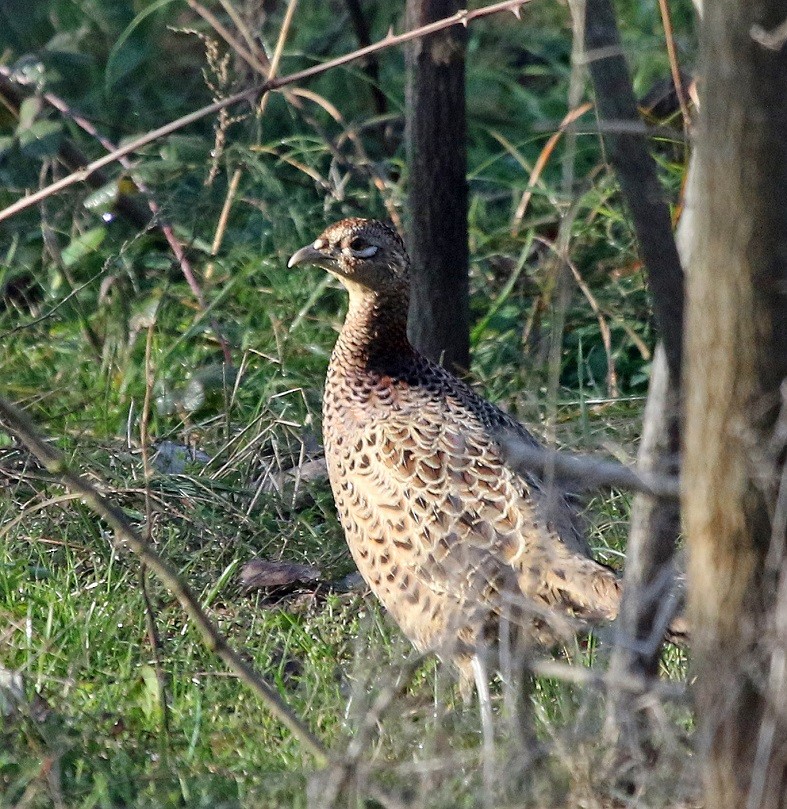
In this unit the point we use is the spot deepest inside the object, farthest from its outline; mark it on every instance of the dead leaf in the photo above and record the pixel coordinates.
(259, 574)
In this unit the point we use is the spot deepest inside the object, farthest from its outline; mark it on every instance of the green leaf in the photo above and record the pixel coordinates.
(149, 692)
(41, 139)
(103, 199)
(114, 70)
(82, 245)
(28, 112)
(6, 144)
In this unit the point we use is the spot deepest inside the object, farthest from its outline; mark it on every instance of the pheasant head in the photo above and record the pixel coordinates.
(366, 255)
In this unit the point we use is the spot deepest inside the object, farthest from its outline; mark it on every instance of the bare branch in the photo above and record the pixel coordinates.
(460, 18)
(636, 170)
(585, 471)
(655, 519)
(619, 681)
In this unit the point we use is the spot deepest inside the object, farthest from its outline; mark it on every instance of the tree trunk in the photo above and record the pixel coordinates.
(437, 195)
(630, 156)
(648, 597)
(735, 363)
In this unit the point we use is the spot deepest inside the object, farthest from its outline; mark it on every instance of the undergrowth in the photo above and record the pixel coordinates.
(82, 292)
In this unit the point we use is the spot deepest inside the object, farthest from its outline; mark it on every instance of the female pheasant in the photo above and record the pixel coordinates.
(450, 539)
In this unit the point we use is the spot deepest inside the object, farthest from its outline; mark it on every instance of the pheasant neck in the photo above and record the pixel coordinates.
(375, 330)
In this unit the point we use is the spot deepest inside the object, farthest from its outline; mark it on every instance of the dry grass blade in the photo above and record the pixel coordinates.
(603, 327)
(28, 511)
(543, 159)
(673, 63)
(251, 59)
(21, 426)
(361, 154)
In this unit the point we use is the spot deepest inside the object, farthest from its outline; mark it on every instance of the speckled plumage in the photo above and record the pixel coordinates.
(447, 536)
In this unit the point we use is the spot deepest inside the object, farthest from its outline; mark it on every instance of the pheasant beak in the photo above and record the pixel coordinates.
(311, 254)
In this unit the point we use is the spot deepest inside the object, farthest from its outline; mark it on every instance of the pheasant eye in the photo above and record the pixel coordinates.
(362, 248)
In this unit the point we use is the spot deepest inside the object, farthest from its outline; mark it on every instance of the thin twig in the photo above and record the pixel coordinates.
(585, 471)
(337, 778)
(585, 676)
(55, 463)
(247, 35)
(677, 80)
(613, 127)
(460, 18)
(541, 162)
(273, 65)
(559, 295)
(150, 614)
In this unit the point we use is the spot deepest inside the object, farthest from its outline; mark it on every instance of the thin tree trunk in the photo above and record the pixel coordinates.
(437, 189)
(636, 170)
(736, 363)
(649, 596)
(655, 523)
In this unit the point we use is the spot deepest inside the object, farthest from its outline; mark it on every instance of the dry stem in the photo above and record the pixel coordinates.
(54, 462)
(460, 18)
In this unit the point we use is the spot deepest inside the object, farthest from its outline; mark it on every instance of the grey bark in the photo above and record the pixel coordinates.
(734, 393)
(655, 522)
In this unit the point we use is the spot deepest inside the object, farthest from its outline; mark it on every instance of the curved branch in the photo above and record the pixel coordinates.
(460, 18)
(54, 462)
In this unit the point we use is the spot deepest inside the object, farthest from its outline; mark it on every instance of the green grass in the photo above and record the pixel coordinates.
(74, 618)
(77, 295)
